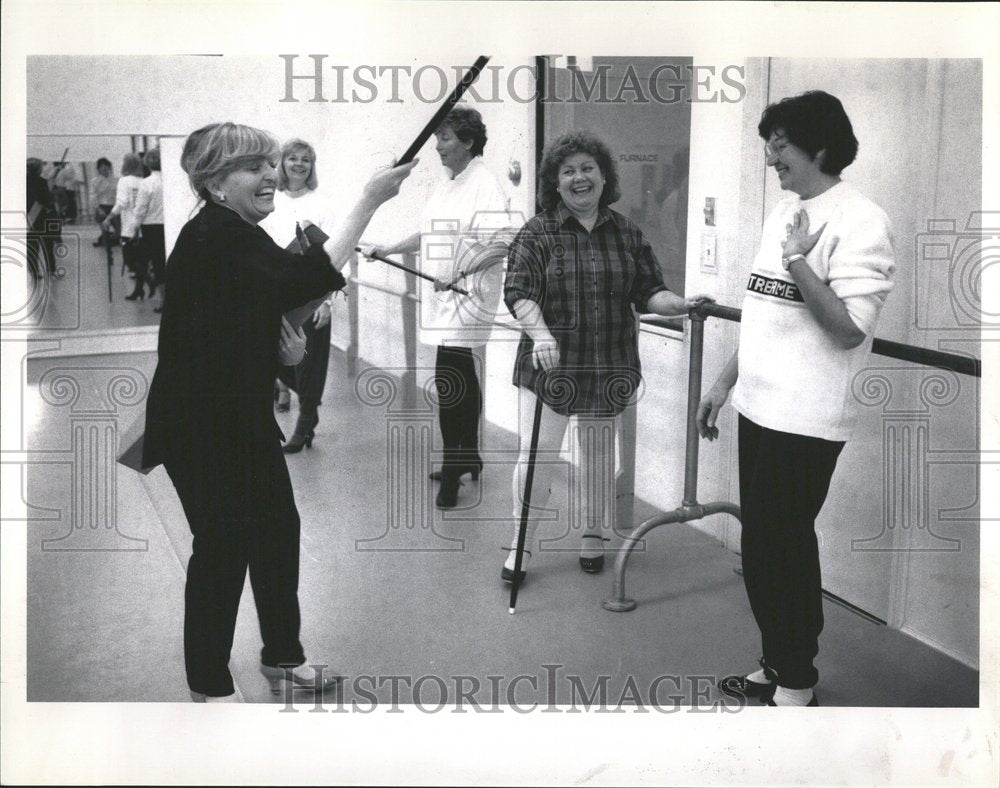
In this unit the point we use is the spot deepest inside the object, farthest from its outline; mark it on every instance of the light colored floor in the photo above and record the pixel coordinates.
(85, 298)
(408, 603)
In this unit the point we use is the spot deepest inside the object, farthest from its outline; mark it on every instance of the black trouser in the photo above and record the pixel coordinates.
(460, 401)
(239, 504)
(156, 251)
(784, 479)
(136, 260)
(308, 378)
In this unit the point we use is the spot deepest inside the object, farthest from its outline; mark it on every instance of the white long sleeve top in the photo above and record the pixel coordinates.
(793, 377)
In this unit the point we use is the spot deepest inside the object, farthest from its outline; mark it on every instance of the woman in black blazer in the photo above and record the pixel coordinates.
(209, 418)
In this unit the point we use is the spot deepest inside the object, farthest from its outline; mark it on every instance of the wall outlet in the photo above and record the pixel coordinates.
(709, 264)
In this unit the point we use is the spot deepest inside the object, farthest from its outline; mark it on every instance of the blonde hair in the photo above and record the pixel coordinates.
(292, 145)
(132, 164)
(213, 151)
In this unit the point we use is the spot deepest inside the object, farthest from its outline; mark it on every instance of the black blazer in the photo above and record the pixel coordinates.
(227, 286)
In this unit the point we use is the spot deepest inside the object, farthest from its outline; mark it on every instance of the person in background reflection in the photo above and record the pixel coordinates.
(126, 198)
(149, 215)
(103, 192)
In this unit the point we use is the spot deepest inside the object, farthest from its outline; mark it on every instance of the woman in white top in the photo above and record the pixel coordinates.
(818, 282)
(126, 200)
(298, 202)
(462, 238)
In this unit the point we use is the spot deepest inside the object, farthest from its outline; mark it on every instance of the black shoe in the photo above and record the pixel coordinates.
(447, 497)
(305, 431)
(137, 293)
(297, 442)
(507, 575)
(742, 687)
(593, 566)
(814, 702)
(475, 469)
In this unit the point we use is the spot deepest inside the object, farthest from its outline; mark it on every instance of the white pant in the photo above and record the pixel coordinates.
(592, 472)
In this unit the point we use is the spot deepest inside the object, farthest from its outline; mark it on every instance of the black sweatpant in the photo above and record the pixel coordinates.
(460, 401)
(241, 511)
(784, 479)
(155, 248)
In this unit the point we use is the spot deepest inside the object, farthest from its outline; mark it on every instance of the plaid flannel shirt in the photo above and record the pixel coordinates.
(586, 284)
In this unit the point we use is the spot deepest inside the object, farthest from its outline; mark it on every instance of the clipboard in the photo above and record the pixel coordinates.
(313, 236)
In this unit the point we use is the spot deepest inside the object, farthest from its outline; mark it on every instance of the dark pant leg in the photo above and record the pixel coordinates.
(784, 480)
(212, 496)
(471, 408)
(310, 374)
(274, 562)
(134, 257)
(156, 251)
(459, 405)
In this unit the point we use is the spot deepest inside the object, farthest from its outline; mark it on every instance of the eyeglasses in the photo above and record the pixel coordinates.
(775, 149)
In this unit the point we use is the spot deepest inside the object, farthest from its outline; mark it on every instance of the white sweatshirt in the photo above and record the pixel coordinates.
(793, 377)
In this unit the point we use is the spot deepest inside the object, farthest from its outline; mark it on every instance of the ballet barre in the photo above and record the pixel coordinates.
(690, 509)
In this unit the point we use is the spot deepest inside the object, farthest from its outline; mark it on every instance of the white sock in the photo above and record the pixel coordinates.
(758, 677)
(783, 696)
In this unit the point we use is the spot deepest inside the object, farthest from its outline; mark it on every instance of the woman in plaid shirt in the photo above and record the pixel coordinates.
(575, 272)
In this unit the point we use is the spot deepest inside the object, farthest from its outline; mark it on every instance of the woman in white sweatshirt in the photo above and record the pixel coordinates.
(818, 282)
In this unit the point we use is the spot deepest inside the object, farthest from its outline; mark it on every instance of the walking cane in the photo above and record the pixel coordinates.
(106, 238)
(413, 271)
(522, 527)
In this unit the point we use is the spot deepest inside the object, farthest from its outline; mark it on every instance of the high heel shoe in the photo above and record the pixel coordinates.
(139, 293)
(303, 435)
(447, 497)
(507, 573)
(297, 442)
(593, 566)
(301, 677)
(284, 402)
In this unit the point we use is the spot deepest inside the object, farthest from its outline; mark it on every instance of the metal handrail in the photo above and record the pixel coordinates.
(690, 509)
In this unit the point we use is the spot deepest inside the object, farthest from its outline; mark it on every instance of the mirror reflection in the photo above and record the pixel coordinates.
(101, 198)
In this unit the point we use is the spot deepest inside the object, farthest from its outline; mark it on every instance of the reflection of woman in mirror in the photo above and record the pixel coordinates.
(149, 216)
(209, 419)
(126, 198)
(41, 207)
(298, 201)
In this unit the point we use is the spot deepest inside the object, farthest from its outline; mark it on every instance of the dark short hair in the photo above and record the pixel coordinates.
(560, 150)
(813, 121)
(103, 161)
(131, 164)
(34, 166)
(467, 124)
